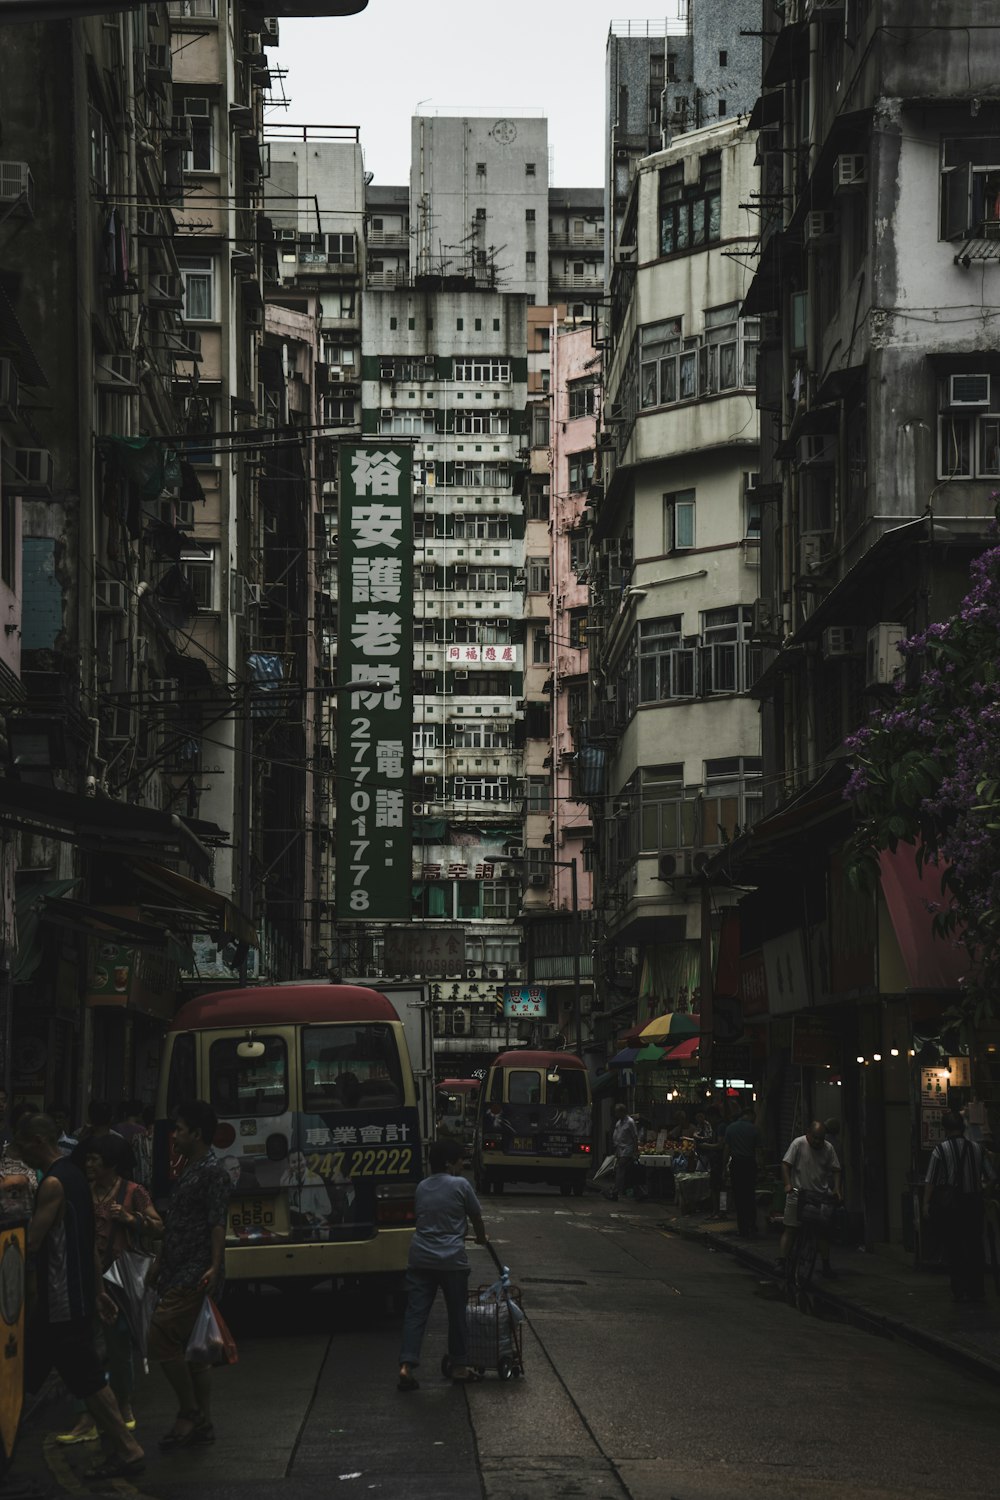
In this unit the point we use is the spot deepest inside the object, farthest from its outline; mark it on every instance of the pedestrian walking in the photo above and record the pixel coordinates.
(61, 1332)
(953, 1194)
(122, 1211)
(742, 1146)
(191, 1267)
(624, 1147)
(810, 1164)
(445, 1204)
(712, 1147)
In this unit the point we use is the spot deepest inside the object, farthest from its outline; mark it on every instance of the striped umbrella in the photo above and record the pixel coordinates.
(649, 1053)
(675, 1025)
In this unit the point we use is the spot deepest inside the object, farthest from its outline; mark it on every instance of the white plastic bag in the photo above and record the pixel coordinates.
(210, 1343)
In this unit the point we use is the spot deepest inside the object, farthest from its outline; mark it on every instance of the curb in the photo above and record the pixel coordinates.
(857, 1316)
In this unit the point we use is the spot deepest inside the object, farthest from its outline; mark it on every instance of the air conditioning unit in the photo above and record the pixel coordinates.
(288, 234)
(762, 621)
(460, 1020)
(538, 881)
(460, 676)
(110, 597)
(850, 172)
(472, 971)
(514, 852)
(882, 660)
(674, 865)
(699, 860)
(814, 550)
(625, 254)
(269, 31)
(387, 372)
(969, 390)
(33, 470)
(17, 185)
(820, 227)
(841, 640)
(10, 388)
(419, 809)
(494, 973)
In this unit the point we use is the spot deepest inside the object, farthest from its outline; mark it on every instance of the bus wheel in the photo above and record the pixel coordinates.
(565, 1188)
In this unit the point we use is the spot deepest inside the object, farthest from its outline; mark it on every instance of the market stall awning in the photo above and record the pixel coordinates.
(190, 907)
(685, 1051)
(625, 1058)
(649, 1054)
(675, 1024)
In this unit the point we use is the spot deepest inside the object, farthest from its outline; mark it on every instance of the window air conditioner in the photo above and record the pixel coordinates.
(494, 973)
(460, 676)
(699, 860)
(969, 390)
(109, 596)
(850, 172)
(9, 390)
(514, 852)
(821, 226)
(538, 881)
(387, 372)
(814, 550)
(33, 470)
(419, 809)
(472, 971)
(287, 234)
(882, 660)
(673, 865)
(841, 640)
(17, 185)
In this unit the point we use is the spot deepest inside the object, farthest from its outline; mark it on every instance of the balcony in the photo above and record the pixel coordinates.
(565, 281)
(576, 241)
(388, 239)
(387, 280)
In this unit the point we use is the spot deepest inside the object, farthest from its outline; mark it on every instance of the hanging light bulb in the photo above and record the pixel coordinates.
(860, 1058)
(894, 1050)
(876, 1057)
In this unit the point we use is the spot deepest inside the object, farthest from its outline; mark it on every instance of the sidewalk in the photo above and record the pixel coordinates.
(880, 1292)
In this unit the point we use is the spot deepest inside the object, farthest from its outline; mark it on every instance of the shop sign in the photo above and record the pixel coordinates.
(110, 974)
(787, 977)
(529, 1001)
(961, 1072)
(934, 1086)
(375, 728)
(155, 982)
(730, 1060)
(439, 863)
(931, 1126)
(424, 952)
(504, 657)
(814, 1044)
(727, 1018)
(753, 984)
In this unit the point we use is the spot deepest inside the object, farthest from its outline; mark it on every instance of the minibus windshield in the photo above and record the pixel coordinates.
(350, 1067)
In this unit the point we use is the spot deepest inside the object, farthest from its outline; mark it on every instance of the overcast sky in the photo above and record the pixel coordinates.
(539, 56)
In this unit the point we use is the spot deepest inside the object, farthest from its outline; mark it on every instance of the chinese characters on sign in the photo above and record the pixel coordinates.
(529, 1001)
(374, 728)
(494, 656)
(427, 952)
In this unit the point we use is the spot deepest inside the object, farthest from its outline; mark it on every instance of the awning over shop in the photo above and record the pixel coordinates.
(99, 922)
(650, 1054)
(684, 1051)
(190, 907)
(29, 907)
(931, 963)
(102, 824)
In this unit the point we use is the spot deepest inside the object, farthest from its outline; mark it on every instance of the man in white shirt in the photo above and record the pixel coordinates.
(625, 1146)
(809, 1164)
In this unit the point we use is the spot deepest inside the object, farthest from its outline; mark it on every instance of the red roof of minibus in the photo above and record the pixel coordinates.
(455, 1084)
(537, 1060)
(283, 1004)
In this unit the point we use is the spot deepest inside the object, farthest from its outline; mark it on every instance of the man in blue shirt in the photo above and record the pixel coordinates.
(445, 1201)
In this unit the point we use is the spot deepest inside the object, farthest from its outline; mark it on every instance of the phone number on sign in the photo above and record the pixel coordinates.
(383, 1162)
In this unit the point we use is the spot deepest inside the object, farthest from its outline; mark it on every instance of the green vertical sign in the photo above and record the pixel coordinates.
(375, 646)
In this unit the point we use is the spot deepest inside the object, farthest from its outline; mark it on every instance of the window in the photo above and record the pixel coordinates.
(678, 521)
(529, 169)
(500, 899)
(479, 476)
(480, 737)
(495, 422)
(731, 801)
(581, 398)
(181, 1079)
(690, 216)
(198, 568)
(722, 109)
(970, 187)
(204, 9)
(728, 660)
(578, 629)
(339, 249)
(350, 1067)
(529, 216)
(482, 580)
(339, 305)
(480, 216)
(201, 114)
(399, 420)
(538, 502)
(482, 789)
(8, 540)
(577, 701)
(102, 151)
(723, 59)
(540, 424)
(728, 356)
(482, 528)
(542, 338)
(579, 552)
(538, 575)
(480, 169)
(482, 371)
(539, 795)
(581, 470)
(969, 441)
(667, 668)
(424, 737)
(339, 354)
(493, 949)
(198, 275)
(249, 1085)
(339, 411)
(667, 819)
(529, 257)
(659, 351)
(203, 420)
(751, 504)
(416, 368)
(540, 646)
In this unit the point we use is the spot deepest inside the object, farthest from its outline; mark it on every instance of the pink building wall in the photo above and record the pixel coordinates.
(574, 358)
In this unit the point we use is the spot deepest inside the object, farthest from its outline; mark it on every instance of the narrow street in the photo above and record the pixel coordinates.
(654, 1368)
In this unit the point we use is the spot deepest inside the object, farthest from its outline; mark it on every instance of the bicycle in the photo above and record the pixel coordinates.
(817, 1214)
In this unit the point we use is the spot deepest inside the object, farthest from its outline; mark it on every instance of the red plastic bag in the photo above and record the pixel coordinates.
(211, 1343)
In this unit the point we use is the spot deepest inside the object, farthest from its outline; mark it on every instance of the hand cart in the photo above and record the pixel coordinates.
(493, 1327)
